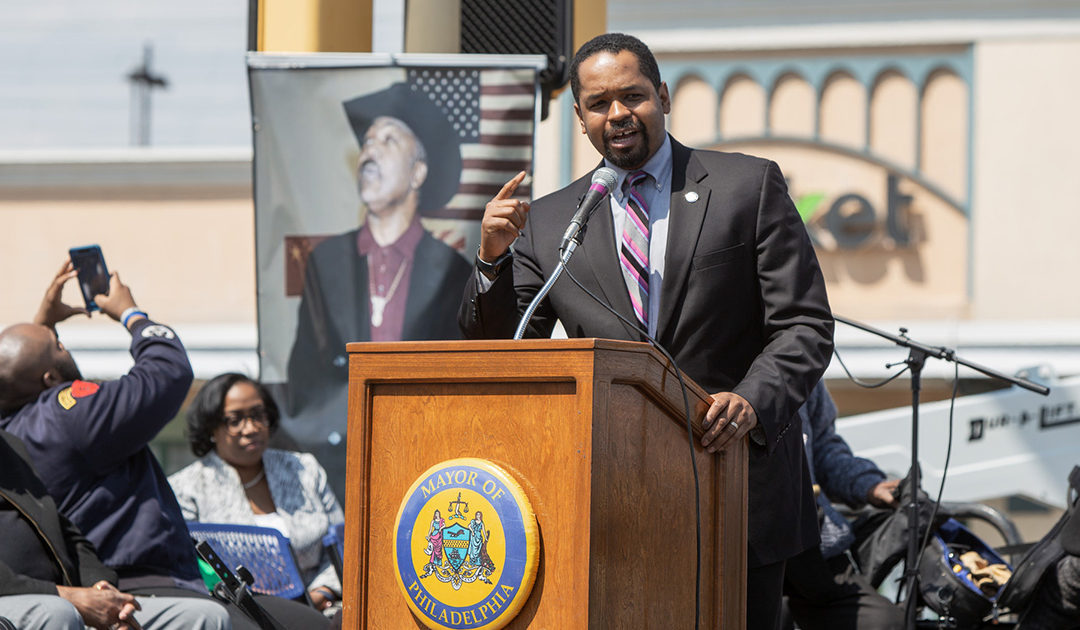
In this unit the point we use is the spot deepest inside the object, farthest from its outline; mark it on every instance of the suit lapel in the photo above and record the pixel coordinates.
(357, 320)
(603, 257)
(684, 225)
(426, 280)
(343, 281)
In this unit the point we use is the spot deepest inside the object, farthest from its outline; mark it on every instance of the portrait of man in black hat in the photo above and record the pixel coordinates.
(388, 280)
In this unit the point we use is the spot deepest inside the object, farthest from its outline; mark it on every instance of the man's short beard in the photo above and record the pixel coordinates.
(67, 370)
(635, 158)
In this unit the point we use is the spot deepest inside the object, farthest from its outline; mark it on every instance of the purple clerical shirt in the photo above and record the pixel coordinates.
(389, 268)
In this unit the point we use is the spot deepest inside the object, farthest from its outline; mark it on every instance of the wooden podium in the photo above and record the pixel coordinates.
(595, 432)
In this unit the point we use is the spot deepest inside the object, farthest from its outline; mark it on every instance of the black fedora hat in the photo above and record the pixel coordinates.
(413, 107)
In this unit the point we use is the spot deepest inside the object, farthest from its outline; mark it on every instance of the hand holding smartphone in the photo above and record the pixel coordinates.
(93, 275)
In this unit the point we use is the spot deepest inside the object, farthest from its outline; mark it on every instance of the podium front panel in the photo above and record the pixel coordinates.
(594, 432)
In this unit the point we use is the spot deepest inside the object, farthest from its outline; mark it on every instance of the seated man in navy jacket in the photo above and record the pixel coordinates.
(90, 443)
(823, 589)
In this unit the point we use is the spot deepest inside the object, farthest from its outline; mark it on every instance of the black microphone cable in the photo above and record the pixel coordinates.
(945, 468)
(862, 383)
(689, 431)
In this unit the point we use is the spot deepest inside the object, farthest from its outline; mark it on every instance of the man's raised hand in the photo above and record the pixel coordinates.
(504, 217)
(53, 309)
(118, 300)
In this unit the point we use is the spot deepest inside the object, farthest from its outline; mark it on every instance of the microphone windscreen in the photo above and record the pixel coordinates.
(605, 177)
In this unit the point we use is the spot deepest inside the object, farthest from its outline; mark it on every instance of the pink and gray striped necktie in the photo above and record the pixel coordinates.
(634, 248)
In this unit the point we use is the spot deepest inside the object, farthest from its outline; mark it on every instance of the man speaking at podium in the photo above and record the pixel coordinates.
(704, 250)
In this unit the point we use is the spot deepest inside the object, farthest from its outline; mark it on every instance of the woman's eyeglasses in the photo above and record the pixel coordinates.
(234, 421)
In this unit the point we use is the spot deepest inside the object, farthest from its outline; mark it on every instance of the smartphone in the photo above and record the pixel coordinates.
(93, 274)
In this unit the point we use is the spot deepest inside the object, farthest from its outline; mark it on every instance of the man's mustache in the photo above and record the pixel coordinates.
(621, 126)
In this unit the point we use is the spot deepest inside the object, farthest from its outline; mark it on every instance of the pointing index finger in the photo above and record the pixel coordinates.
(510, 187)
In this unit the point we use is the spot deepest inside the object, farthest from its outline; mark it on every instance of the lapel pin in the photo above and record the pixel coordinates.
(691, 196)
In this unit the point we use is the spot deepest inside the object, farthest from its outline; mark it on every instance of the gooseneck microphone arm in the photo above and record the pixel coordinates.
(539, 297)
(603, 180)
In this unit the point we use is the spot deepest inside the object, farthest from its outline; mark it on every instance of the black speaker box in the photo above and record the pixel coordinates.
(522, 27)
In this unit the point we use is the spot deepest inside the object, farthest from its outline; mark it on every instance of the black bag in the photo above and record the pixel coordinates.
(946, 585)
(1031, 568)
(887, 545)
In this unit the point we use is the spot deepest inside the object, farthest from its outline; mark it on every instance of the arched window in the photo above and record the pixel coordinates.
(944, 134)
(894, 109)
(842, 112)
(792, 108)
(693, 112)
(742, 108)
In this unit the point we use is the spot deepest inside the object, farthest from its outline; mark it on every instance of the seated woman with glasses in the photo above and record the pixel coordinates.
(239, 480)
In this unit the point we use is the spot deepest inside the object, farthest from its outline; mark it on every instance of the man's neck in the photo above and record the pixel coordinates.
(387, 227)
(13, 403)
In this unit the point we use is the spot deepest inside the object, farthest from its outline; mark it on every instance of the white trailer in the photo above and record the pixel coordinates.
(1007, 442)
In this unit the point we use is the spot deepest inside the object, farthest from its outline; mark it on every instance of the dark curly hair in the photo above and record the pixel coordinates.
(615, 43)
(206, 412)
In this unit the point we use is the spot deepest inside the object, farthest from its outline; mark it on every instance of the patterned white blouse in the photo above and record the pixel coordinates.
(209, 490)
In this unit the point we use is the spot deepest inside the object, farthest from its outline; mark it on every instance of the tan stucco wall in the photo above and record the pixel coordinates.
(1027, 159)
(186, 260)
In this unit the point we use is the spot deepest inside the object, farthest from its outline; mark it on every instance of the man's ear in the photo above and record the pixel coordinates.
(419, 174)
(665, 97)
(581, 122)
(50, 378)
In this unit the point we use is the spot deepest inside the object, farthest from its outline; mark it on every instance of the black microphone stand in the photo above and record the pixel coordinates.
(916, 359)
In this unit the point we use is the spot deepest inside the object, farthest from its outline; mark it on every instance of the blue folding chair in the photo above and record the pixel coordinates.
(263, 551)
(334, 543)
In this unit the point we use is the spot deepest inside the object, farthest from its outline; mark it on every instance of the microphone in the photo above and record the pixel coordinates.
(603, 180)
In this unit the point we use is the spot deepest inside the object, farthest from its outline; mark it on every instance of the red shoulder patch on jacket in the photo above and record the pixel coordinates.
(82, 389)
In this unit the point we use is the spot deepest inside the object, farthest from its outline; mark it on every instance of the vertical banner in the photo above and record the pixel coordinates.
(371, 176)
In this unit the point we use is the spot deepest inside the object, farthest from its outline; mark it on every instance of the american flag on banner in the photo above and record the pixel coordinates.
(494, 112)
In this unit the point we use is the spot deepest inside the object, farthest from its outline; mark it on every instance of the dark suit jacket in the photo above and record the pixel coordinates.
(743, 308)
(74, 555)
(335, 310)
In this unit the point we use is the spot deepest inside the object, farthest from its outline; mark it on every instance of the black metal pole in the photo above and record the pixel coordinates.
(253, 25)
(146, 94)
(915, 361)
